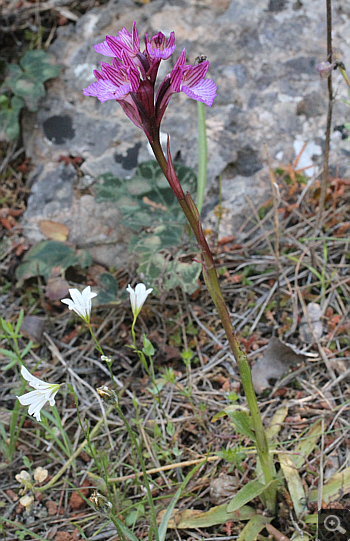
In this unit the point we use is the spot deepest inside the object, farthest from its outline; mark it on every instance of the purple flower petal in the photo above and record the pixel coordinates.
(104, 48)
(159, 47)
(106, 90)
(205, 91)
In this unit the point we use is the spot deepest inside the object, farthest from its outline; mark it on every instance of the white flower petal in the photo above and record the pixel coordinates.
(69, 302)
(29, 398)
(33, 381)
(44, 392)
(76, 296)
(138, 297)
(81, 303)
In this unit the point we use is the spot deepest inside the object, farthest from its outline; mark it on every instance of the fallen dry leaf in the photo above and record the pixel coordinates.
(276, 361)
(54, 230)
(223, 488)
(76, 501)
(57, 288)
(33, 327)
(51, 507)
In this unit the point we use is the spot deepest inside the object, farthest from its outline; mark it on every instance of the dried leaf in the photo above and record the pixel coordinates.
(294, 483)
(57, 288)
(33, 327)
(193, 518)
(335, 488)
(307, 444)
(276, 423)
(278, 358)
(222, 488)
(54, 230)
(76, 501)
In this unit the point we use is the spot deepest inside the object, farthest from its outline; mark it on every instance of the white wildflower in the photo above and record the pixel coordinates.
(44, 392)
(81, 303)
(138, 297)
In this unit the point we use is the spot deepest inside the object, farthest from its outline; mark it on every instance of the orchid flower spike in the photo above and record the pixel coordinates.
(138, 297)
(130, 78)
(81, 303)
(44, 392)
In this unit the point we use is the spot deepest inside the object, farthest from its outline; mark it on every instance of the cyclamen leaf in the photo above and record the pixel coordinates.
(38, 66)
(9, 113)
(44, 256)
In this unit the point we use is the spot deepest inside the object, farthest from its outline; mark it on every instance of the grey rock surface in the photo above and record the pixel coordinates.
(263, 57)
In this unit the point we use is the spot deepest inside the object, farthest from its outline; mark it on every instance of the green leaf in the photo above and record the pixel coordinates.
(38, 66)
(128, 533)
(165, 520)
(252, 529)
(9, 113)
(26, 349)
(150, 208)
(242, 421)
(147, 349)
(109, 288)
(19, 322)
(28, 89)
(43, 257)
(276, 423)
(182, 274)
(84, 258)
(246, 494)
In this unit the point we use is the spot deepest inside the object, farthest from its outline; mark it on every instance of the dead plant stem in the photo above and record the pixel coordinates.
(329, 120)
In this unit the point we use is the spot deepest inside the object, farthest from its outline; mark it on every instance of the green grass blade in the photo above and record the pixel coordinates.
(164, 523)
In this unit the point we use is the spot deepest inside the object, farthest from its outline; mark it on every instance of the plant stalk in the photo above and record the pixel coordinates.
(213, 285)
(329, 120)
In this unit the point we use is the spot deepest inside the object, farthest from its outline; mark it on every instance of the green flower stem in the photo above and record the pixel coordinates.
(213, 285)
(133, 332)
(74, 455)
(144, 471)
(98, 347)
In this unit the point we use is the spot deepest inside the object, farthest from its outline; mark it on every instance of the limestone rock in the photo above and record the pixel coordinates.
(263, 58)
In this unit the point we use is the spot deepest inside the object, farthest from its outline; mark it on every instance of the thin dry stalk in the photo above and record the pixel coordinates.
(329, 120)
